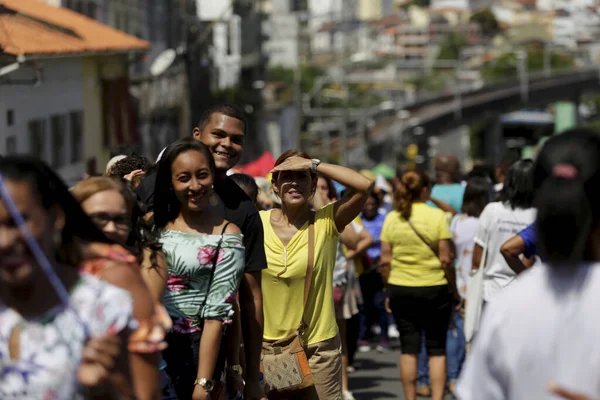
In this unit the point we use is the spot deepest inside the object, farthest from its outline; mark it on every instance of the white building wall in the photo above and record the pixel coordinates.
(564, 31)
(60, 93)
(461, 4)
(283, 41)
(227, 51)
(213, 10)
(550, 5)
(321, 42)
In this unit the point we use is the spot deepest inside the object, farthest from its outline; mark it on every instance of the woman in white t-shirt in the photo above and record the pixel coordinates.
(542, 332)
(478, 193)
(499, 222)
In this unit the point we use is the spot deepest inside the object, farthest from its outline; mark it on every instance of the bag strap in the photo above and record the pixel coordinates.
(421, 237)
(214, 264)
(483, 261)
(309, 265)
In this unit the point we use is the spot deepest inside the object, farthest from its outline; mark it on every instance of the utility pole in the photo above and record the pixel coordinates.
(458, 88)
(547, 60)
(523, 75)
(298, 84)
(346, 104)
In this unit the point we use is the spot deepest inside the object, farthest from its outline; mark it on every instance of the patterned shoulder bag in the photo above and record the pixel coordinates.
(284, 362)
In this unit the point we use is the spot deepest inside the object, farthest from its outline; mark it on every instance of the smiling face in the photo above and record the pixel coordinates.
(224, 136)
(192, 180)
(294, 187)
(108, 211)
(18, 266)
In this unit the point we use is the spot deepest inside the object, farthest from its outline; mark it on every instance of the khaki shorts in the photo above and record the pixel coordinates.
(325, 360)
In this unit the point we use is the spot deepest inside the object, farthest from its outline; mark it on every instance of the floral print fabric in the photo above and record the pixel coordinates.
(189, 259)
(150, 335)
(51, 345)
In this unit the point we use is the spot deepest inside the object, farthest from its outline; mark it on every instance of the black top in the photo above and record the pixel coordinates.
(236, 207)
(145, 191)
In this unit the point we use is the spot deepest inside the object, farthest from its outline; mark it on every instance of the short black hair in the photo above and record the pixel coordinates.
(482, 171)
(478, 194)
(166, 205)
(246, 182)
(517, 190)
(226, 109)
(509, 158)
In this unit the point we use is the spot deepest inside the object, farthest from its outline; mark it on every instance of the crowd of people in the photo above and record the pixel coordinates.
(177, 279)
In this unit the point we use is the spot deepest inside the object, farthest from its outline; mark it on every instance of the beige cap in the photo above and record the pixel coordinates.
(113, 161)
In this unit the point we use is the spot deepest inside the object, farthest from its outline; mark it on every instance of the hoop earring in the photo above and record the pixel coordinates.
(57, 238)
(213, 201)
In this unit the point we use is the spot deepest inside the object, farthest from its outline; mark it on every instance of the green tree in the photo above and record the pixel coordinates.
(487, 21)
(505, 66)
(286, 76)
(421, 3)
(451, 45)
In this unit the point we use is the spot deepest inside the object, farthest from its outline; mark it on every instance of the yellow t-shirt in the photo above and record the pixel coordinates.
(283, 295)
(413, 262)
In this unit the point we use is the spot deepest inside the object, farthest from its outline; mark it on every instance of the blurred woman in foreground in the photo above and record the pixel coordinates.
(543, 329)
(44, 347)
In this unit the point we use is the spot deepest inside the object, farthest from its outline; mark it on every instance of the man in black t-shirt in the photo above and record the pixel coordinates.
(222, 128)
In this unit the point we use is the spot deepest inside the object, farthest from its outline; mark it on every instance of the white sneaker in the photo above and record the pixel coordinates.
(350, 369)
(393, 332)
(376, 329)
(383, 349)
(365, 348)
(347, 396)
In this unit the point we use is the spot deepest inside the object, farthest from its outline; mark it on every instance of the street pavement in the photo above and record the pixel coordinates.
(377, 376)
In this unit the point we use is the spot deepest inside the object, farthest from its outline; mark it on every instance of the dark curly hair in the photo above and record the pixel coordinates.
(128, 165)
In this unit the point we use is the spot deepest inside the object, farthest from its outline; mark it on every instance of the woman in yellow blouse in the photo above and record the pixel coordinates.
(286, 247)
(417, 260)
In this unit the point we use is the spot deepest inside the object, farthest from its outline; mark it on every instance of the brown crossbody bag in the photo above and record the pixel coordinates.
(284, 363)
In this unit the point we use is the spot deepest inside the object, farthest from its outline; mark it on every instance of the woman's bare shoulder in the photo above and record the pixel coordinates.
(231, 227)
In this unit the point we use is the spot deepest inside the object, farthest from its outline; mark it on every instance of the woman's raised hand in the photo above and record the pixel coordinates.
(294, 164)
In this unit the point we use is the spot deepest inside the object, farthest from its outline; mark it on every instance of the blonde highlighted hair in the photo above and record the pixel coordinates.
(89, 187)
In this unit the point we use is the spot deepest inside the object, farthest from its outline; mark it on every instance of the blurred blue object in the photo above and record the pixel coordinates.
(339, 188)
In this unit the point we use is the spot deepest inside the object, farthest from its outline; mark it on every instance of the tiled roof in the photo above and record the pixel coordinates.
(34, 27)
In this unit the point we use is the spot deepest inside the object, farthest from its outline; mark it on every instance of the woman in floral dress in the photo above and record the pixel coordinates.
(205, 260)
(51, 344)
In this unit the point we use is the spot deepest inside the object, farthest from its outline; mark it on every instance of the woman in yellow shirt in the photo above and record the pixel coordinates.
(286, 247)
(417, 259)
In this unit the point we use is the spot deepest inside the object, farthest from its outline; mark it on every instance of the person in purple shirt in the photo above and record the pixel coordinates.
(523, 243)
(371, 283)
